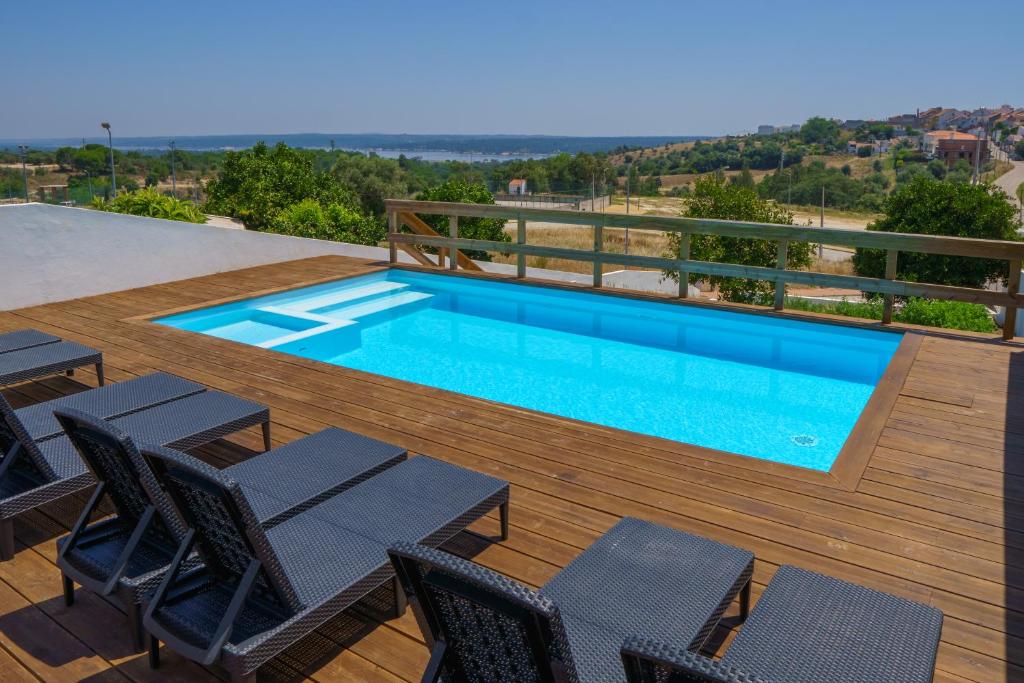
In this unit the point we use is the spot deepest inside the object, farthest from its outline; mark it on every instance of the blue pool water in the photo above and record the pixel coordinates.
(766, 387)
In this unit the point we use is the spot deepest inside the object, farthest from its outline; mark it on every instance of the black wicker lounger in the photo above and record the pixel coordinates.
(126, 555)
(39, 466)
(27, 354)
(260, 590)
(484, 627)
(807, 628)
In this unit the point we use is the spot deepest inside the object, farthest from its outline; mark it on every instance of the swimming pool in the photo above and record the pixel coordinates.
(774, 388)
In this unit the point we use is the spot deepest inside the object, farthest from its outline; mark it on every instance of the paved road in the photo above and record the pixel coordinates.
(1010, 180)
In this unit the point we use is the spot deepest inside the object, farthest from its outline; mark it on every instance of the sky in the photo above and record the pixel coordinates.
(471, 67)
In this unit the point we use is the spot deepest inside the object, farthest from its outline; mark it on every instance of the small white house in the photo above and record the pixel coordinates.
(517, 186)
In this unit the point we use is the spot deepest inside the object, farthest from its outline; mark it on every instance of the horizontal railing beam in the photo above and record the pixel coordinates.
(927, 244)
(865, 284)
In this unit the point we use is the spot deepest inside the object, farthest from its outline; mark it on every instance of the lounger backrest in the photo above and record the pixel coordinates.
(227, 533)
(114, 460)
(15, 442)
(491, 627)
(647, 661)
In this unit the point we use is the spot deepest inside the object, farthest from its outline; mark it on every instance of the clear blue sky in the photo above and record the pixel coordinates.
(454, 66)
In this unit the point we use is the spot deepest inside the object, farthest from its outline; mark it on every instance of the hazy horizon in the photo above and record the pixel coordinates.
(580, 69)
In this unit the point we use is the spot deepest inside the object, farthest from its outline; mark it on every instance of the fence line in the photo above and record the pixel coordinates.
(783, 235)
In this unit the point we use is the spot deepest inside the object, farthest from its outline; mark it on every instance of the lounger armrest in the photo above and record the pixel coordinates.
(647, 661)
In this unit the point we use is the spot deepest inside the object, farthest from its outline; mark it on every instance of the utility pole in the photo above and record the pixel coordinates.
(174, 178)
(977, 159)
(821, 247)
(110, 143)
(24, 169)
(88, 177)
(629, 172)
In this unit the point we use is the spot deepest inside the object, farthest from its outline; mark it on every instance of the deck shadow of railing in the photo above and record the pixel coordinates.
(1013, 508)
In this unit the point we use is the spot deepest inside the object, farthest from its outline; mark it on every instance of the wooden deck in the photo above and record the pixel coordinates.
(936, 516)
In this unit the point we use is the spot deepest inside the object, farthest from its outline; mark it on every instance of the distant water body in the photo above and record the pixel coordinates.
(426, 147)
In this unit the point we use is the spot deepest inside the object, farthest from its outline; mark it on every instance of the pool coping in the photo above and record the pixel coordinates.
(847, 468)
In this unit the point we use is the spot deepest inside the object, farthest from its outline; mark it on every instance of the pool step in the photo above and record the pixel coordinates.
(332, 300)
(377, 305)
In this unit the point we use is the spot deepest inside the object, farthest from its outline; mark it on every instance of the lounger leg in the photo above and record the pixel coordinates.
(401, 601)
(266, 436)
(6, 539)
(154, 653)
(71, 372)
(135, 624)
(745, 601)
(503, 513)
(69, 589)
(99, 373)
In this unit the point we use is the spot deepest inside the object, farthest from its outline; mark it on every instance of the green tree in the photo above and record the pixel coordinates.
(713, 198)
(255, 185)
(372, 178)
(1020, 149)
(491, 229)
(927, 206)
(820, 131)
(744, 179)
(336, 222)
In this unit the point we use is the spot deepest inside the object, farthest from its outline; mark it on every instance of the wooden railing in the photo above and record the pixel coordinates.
(400, 211)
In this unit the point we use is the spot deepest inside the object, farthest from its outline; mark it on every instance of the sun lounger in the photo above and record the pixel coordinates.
(807, 628)
(28, 354)
(126, 555)
(260, 590)
(39, 466)
(482, 626)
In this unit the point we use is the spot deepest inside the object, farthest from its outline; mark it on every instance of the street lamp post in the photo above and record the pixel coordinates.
(110, 143)
(24, 169)
(174, 179)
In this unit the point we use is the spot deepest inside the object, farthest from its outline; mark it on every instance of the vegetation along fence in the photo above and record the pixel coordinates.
(404, 213)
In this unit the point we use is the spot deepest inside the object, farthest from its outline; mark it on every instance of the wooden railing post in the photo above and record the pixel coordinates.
(780, 283)
(1013, 288)
(684, 275)
(521, 239)
(598, 248)
(392, 231)
(891, 258)
(453, 232)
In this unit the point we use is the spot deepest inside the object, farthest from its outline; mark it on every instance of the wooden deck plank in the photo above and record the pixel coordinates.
(935, 517)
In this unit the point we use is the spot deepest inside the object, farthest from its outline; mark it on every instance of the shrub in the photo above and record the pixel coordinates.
(927, 206)
(147, 202)
(713, 198)
(953, 315)
(335, 222)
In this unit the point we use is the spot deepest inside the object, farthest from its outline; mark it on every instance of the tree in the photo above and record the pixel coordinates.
(927, 206)
(819, 131)
(372, 178)
(1020, 149)
(744, 179)
(336, 222)
(1020, 198)
(491, 229)
(713, 198)
(255, 185)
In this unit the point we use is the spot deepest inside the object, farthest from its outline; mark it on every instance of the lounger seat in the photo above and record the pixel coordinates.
(128, 554)
(808, 628)
(258, 591)
(36, 472)
(28, 354)
(111, 401)
(23, 339)
(482, 626)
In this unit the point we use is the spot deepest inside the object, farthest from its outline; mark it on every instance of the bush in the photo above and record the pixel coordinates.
(335, 222)
(927, 206)
(953, 315)
(491, 229)
(151, 203)
(713, 198)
